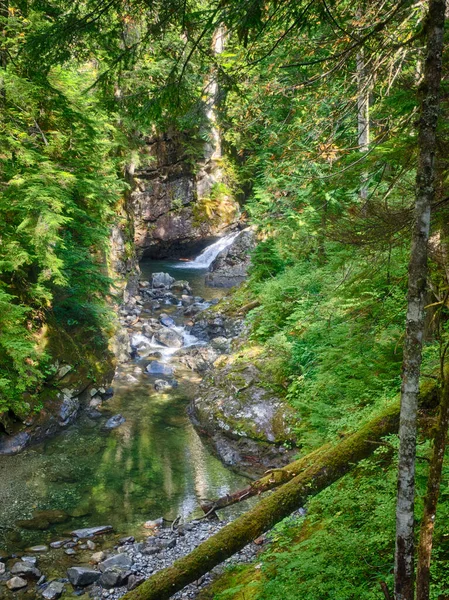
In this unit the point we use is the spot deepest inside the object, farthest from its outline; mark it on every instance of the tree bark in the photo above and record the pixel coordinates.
(404, 555)
(327, 468)
(431, 499)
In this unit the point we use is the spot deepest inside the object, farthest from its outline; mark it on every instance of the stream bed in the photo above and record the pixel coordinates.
(154, 464)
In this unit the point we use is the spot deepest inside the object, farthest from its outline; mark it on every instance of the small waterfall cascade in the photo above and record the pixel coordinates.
(208, 255)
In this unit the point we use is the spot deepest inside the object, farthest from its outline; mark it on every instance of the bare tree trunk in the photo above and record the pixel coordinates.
(4, 15)
(363, 118)
(326, 469)
(431, 499)
(404, 555)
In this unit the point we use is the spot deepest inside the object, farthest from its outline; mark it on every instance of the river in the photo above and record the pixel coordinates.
(153, 465)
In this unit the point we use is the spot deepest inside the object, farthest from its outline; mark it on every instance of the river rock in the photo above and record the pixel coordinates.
(157, 368)
(230, 267)
(13, 444)
(114, 422)
(181, 286)
(162, 280)
(91, 531)
(169, 337)
(167, 321)
(82, 576)
(59, 543)
(26, 569)
(16, 583)
(97, 557)
(122, 561)
(40, 548)
(2, 568)
(53, 591)
(68, 409)
(162, 385)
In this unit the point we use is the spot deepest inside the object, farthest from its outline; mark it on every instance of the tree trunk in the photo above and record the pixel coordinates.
(4, 15)
(404, 555)
(326, 469)
(431, 499)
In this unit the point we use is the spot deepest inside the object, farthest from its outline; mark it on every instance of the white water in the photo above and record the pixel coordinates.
(209, 254)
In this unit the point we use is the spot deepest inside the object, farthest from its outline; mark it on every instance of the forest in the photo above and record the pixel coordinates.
(224, 299)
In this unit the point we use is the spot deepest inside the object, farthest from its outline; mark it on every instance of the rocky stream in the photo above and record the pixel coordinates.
(115, 496)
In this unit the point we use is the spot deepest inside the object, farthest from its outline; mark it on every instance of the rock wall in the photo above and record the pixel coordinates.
(230, 267)
(174, 211)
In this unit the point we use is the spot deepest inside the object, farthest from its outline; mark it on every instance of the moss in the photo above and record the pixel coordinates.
(241, 582)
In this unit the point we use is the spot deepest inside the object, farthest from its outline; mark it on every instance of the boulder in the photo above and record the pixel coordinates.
(157, 368)
(169, 337)
(97, 557)
(230, 267)
(26, 570)
(16, 583)
(14, 444)
(91, 531)
(167, 321)
(82, 576)
(68, 409)
(114, 422)
(162, 280)
(111, 578)
(53, 590)
(121, 561)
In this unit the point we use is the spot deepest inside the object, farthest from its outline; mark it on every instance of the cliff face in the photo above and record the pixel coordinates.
(176, 207)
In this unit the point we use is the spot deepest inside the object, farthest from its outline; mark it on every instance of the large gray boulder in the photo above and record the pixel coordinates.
(230, 267)
(82, 576)
(162, 280)
(169, 337)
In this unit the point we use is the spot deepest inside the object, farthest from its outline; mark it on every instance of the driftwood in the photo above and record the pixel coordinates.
(325, 470)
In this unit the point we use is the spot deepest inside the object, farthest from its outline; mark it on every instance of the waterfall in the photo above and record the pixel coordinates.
(209, 254)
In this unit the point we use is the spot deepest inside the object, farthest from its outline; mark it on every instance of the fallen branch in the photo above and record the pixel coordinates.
(329, 467)
(247, 307)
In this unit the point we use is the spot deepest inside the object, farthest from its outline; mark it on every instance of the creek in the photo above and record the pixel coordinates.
(152, 465)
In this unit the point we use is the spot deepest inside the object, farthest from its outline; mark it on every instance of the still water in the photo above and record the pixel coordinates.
(153, 465)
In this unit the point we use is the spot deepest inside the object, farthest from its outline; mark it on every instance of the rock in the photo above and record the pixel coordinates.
(68, 409)
(59, 543)
(113, 578)
(157, 368)
(15, 443)
(62, 372)
(98, 557)
(134, 581)
(221, 344)
(82, 576)
(127, 540)
(16, 583)
(169, 337)
(53, 591)
(161, 385)
(162, 280)
(122, 561)
(187, 300)
(70, 551)
(114, 422)
(90, 544)
(41, 548)
(181, 286)
(30, 559)
(91, 531)
(231, 265)
(2, 568)
(156, 524)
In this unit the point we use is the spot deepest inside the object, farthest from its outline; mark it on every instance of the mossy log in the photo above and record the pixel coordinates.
(328, 467)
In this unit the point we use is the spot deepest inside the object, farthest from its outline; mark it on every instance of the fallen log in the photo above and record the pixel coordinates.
(328, 468)
(272, 478)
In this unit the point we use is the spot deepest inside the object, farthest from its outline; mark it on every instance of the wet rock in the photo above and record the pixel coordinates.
(162, 385)
(162, 280)
(169, 337)
(82, 576)
(221, 343)
(41, 548)
(157, 368)
(15, 443)
(68, 410)
(127, 540)
(70, 551)
(134, 581)
(122, 561)
(167, 321)
(59, 543)
(30, 559)
(90, 544)
(16, 583)
(91, 531)
(53, 591)
(181, 286)
(114, 422)
(230, 267)
(2, 568)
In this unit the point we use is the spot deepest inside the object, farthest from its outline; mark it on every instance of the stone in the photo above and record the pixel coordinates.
(157, 368)
(53, 591)
(167, 321)
(161, 385)
(59, 543)
(122, 561)
(16, 583)
(82, 576)
(114, 422)
(91, 531)
(62, 372)
(41, 548)
(2, 568)
(127, 540)
(134, 581)
(169, 337)
(68, 409)
(97, 557)
(30, 559)
(90, 544)
(70, 551)
(14, 444)
(162, 280)
(156, 524)
(111, 578)
(230, 266)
